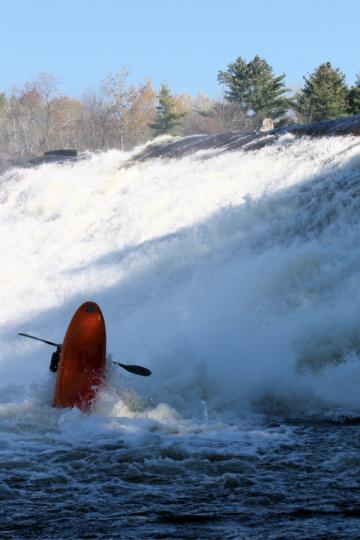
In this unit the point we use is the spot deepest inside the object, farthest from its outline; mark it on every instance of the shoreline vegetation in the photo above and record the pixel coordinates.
(38, 117)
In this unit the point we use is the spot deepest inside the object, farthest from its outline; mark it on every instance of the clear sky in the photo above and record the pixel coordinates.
(182, 42)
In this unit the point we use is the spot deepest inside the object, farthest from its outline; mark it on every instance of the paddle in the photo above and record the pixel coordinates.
(137, 370)
(39, 339)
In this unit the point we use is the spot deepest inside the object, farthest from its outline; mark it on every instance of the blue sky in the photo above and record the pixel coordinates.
(182, 42)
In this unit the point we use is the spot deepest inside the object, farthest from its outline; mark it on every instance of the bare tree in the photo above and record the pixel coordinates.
(203, 115)
(46, 86)
(21, 123)
(131, 109)
(67, 115)
(97, 122)
(115, 88)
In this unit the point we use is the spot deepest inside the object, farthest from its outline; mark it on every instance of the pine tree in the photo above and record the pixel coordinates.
(354, 97)
(168, 118)
(324, 95)
(255, 88)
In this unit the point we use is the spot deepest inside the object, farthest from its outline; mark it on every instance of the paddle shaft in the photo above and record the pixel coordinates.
(39, 339)
(137, 370)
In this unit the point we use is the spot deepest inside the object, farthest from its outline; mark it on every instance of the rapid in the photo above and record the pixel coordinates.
(235, 278)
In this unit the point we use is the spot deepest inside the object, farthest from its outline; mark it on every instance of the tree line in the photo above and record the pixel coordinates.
(38, 117)
(325, 94)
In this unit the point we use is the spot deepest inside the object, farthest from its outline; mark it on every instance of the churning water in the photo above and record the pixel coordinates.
(236, 279)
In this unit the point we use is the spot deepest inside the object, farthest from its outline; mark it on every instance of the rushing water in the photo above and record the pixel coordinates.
(258, 479)
(235, 278)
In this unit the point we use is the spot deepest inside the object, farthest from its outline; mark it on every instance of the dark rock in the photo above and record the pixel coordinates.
(61, 152)
(251, 140)
(53, 156)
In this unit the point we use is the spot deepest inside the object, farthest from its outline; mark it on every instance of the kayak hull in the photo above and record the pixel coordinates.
(82, 359)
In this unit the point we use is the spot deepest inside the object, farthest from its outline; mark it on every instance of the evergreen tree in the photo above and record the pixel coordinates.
(255, 88)
(354, 97)
(324, 95)
(168, 118)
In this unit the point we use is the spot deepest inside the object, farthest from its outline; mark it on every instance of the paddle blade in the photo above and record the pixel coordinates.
(137, 370)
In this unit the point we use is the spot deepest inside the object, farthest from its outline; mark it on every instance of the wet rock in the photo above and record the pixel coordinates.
(251, 140)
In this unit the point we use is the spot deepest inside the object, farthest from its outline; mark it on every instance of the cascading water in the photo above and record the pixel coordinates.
(235, 279)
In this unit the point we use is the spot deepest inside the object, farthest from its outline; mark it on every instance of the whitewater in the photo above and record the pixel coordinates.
(235, 278)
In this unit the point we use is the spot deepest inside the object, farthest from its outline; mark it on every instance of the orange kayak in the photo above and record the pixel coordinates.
(82, 359)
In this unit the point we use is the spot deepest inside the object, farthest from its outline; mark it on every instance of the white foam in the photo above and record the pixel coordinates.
(234, 278)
